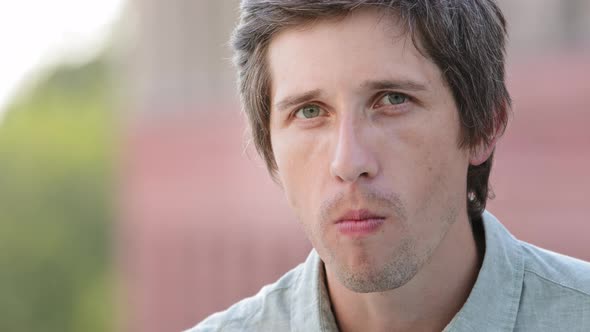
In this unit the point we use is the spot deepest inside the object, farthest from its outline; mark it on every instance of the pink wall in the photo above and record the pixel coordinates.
(542, 172)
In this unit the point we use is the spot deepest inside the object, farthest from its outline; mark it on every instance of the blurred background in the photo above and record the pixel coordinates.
(131, 201)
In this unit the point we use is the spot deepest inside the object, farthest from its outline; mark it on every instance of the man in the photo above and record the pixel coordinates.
(379, 120)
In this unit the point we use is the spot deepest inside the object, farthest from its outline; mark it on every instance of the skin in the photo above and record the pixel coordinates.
(361, 120)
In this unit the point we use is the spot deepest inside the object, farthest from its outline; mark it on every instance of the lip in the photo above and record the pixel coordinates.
(359, 222)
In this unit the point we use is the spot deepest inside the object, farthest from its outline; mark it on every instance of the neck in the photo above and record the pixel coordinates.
(428, 302)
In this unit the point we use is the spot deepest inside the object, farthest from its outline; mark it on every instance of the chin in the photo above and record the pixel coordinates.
(375, 281)
(369, 277)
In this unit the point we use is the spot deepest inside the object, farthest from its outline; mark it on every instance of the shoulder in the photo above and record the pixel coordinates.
(555, 293)
(537, 264)
(269, 309)
(553, 268)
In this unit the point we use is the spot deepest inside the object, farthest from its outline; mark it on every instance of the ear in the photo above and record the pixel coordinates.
(482, 152)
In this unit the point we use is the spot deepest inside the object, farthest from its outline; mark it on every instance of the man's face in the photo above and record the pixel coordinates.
(365, 136)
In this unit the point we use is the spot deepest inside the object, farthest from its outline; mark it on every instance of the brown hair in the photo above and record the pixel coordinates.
(464, 38)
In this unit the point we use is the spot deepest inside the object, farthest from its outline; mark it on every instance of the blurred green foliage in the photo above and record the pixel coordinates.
(56, 157)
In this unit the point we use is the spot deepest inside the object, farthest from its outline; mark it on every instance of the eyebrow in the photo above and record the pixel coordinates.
(404, 85)
(291, 101)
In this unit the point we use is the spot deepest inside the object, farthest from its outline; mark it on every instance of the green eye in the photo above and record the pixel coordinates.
(394, 98)
(308, 112)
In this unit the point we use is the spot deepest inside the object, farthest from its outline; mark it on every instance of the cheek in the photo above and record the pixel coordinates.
(445, 188)
(425, 163)
(300, 161)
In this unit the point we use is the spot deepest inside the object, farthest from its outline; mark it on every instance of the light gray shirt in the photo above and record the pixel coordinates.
(519, 287)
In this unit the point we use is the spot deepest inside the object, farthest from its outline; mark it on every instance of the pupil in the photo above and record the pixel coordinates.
(310, 112)
(396, 98)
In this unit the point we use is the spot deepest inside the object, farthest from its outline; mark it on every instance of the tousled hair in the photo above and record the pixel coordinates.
(465, 39)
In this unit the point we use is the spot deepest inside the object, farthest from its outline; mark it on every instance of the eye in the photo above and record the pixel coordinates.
(393, 98)
(308, 112)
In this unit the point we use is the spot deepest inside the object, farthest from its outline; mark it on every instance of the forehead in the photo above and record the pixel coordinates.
(367, 44)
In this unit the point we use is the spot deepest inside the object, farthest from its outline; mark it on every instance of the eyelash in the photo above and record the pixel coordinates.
(386, 93)
(300, 108)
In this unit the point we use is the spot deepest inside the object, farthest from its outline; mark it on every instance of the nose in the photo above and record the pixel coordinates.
(353, 157)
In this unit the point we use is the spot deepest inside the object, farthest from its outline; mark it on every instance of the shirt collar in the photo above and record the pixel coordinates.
(311, 307)
(494, 300)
